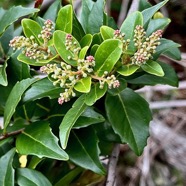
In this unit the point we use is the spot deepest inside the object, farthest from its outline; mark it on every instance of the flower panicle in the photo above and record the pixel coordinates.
(146, 46)
(31, 46)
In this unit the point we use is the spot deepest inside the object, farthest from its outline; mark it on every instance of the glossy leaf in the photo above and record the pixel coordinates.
(59, 43)
(13, 14)
(3, 75)
(129, 25)
(149, 12)
(33, 62)
(14, 98)
(107, 32)
(152, 67)
(92, 16)
(173, 53)
(143, 4)
(83, 85)
(40, 89)
(64, 19)
(170, 77)
(83, 52)
(94, 49)
(89, 117)
(6, 169)
(84, 143)
(69, 177)
(77, 29)
(17, 70)
(52, 11)
(45, 144)
(5, 39)
(95, 94)
(128, 114)
(107, 54)
(156, 24)
(70, 119)
(31, 177)
(86, 40)
(165, 45)
(127, 70)
(32, 28)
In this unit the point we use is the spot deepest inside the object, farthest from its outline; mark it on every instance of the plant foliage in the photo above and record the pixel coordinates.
(81, 95)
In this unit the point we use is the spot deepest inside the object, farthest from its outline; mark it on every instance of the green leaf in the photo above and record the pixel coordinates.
(77, 30)
(97, 39)
(5, 145)
(129, 115)
(69, 177)
(40, 89)
(165, 45)
(83, 52)
(173, 53)
(156, 24)
(85, 12)
(32, 139)
(30, 177)
(70, 119)
(170, 77)
(32, 28)
(59, 43)
(152, 67)
(33, 62)
(5, 39)
(92, 16)
(3, 75)
(17, 70)
(107, 55)
(52, 11)
(84, 143)
(95, 94)
(13, 14)
(94, 49)
(6, 169)
(89, 117)
(86, 40)
(143, 4)
(129, 25)
(65, 19)
(83, 85)
(127, 70)
(107, 32)
(149, 12)
(14, 98)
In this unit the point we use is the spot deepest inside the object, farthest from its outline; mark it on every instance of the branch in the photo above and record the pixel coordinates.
(111, 177)
(4, 136)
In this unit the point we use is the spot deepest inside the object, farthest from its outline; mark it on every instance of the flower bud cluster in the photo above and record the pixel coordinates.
(63, 76)
(121, 36)
(146, 46)
(111, 81)
(46, 32)
(31, 48)
(85, 66)
(72, 46)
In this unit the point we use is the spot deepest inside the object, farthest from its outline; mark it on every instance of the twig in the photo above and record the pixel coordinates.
(111, 178)
(4, 136)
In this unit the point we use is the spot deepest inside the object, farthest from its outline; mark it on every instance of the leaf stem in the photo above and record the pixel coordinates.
(111, 177)
(6, 135)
